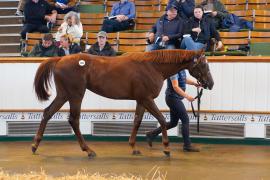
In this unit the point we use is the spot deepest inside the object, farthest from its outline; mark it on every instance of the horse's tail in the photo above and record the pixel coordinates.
(43, 78)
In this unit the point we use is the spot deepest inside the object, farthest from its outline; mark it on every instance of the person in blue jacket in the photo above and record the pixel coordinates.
(121, 18)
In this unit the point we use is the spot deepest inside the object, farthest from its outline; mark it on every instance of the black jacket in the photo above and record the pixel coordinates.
(106, 51)
(208, 29)
(34, 13)
(73, 49)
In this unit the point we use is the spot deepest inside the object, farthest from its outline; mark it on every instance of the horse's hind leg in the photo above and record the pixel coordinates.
(47, 114)
(137, 122)
(150, 105)
(74, 120)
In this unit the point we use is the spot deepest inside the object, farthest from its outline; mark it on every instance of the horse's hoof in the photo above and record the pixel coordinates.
(92, 155)
(167, 153)
(34, 149)
(136, 152)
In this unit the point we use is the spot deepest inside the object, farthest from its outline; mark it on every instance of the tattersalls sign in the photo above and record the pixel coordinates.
(254, 125)
(129, 116)
(9, 116)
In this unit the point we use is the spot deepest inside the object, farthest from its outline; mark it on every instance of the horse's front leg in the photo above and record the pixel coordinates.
(74, 118)
(150, 105)
(47, 114)
(137, 122)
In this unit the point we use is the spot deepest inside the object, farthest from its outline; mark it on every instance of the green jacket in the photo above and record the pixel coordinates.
(40, 51)
(221, 12)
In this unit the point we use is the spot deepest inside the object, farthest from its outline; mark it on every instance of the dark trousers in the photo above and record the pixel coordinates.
(65, 11)
(28, 28)
(177, 111)
(112, 25)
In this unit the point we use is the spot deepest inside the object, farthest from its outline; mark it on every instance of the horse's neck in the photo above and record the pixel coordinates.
(170, 62)
(168, 70)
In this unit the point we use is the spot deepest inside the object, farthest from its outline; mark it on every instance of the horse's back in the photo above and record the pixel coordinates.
(121, 77)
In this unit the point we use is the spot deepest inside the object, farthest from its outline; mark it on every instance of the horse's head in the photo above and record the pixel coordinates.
(200, 70)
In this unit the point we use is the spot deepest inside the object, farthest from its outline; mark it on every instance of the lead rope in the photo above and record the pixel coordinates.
(199, 95)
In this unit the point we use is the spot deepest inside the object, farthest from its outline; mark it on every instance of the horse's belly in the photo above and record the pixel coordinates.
(113, 94)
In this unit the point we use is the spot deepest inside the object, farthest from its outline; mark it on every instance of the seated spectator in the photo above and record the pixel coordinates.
(102, 46)
(199, 31)
(185, 7)
(72, 26)
(166, 32)
(45, 48)
(216, 10)
(121, 17)
(65, 6)
(67, 46)
(37, 13)
(20, 8)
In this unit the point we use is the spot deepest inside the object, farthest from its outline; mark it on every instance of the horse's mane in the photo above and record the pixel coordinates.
(163, 56)
(157, 56)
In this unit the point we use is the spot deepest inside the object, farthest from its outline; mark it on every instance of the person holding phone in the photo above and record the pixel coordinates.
(167, 31)
(199, 31)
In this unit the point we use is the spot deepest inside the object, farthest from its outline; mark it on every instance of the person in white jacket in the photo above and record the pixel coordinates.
(71, 26)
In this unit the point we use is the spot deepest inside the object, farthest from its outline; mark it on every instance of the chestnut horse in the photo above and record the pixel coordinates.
(133, 76)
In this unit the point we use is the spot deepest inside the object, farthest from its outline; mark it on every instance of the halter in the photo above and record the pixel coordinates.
(199, 95)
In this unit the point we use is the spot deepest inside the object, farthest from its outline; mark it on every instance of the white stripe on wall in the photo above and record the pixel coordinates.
(238, 86)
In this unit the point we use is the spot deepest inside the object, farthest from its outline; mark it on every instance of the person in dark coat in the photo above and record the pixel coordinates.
(37, 13)
(199, 30)
(102, 46)
(45, 48)
(167, 31)
(216, 10)
(185, 7)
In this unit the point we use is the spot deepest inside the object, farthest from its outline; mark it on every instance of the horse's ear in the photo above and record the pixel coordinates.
(202, 53)
(199, 53)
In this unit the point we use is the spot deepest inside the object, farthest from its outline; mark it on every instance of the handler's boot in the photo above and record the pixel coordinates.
(151, 135)
(191, 149)
(150, 138)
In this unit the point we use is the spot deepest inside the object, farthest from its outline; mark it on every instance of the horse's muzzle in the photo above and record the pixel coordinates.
(210, 81)
(210, 87)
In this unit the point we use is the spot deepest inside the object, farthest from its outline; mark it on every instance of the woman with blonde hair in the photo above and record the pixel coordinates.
(67, 45)
(72, 26)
